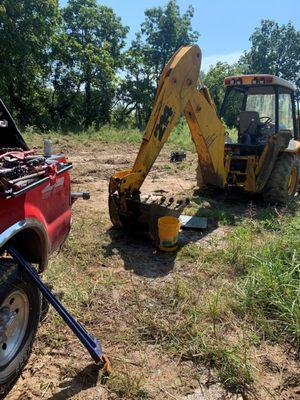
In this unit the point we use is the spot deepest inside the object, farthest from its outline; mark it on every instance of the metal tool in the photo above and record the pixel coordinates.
(91, 343)
(177, 156)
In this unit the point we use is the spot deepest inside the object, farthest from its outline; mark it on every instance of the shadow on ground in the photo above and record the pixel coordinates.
(84, 380)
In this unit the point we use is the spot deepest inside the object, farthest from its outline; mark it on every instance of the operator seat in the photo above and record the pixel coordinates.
(248, 122)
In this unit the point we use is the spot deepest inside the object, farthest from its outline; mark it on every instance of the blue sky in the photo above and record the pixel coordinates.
(225, 25)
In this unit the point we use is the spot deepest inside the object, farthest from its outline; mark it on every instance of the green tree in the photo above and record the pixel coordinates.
(214, 80)
(163, 32)
(137, 88)
(26, 30)
(87, 55)
(275, 49)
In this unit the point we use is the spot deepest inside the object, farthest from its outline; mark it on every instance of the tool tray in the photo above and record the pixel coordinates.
(22, 170)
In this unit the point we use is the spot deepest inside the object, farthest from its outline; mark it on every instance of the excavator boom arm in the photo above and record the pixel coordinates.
(177, 93)
(208, 135)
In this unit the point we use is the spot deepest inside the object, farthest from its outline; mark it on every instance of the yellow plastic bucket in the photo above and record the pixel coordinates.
(168, 231)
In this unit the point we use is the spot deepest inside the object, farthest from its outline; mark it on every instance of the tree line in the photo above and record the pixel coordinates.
(69, 68)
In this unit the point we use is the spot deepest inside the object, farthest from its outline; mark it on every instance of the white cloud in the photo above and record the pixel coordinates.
(230, 58)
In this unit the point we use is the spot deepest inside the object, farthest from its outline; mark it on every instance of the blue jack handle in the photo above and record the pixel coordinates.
(91, 343)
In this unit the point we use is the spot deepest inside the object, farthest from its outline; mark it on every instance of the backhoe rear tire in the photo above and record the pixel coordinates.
(283, 182)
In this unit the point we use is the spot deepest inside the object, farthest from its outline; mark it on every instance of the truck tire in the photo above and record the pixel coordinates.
(20, 308)
(283, 182)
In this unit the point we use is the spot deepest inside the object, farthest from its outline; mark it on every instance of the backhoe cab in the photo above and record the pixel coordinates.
(260, 110)
(265, 158)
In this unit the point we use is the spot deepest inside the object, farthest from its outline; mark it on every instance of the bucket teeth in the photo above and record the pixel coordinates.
(171, 201)
(168, 202)
(162, 200)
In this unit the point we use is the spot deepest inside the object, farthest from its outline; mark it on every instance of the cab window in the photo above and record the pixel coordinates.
(232, 106)
(264, 104)
(285, 112)
(262, 99)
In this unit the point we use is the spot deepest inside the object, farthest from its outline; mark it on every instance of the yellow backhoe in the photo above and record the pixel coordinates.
(265, 159)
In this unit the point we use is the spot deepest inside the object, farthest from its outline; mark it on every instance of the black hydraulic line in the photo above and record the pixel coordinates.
(91, 343)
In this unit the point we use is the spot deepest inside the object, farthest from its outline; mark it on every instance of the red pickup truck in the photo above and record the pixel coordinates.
(35, 217)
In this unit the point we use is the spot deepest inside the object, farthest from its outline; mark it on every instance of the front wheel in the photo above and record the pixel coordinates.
(20, 308)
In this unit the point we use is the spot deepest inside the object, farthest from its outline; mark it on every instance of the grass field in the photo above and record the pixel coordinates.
(218, 319)
(180, 136)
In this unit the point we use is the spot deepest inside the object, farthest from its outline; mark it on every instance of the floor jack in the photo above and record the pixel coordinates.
(91, 343)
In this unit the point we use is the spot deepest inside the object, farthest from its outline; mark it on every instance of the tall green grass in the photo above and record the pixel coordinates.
(270, 290)
(180, 137)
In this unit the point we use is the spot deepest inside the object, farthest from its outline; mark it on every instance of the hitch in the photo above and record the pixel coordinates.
(79, 195)
(91, 343)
